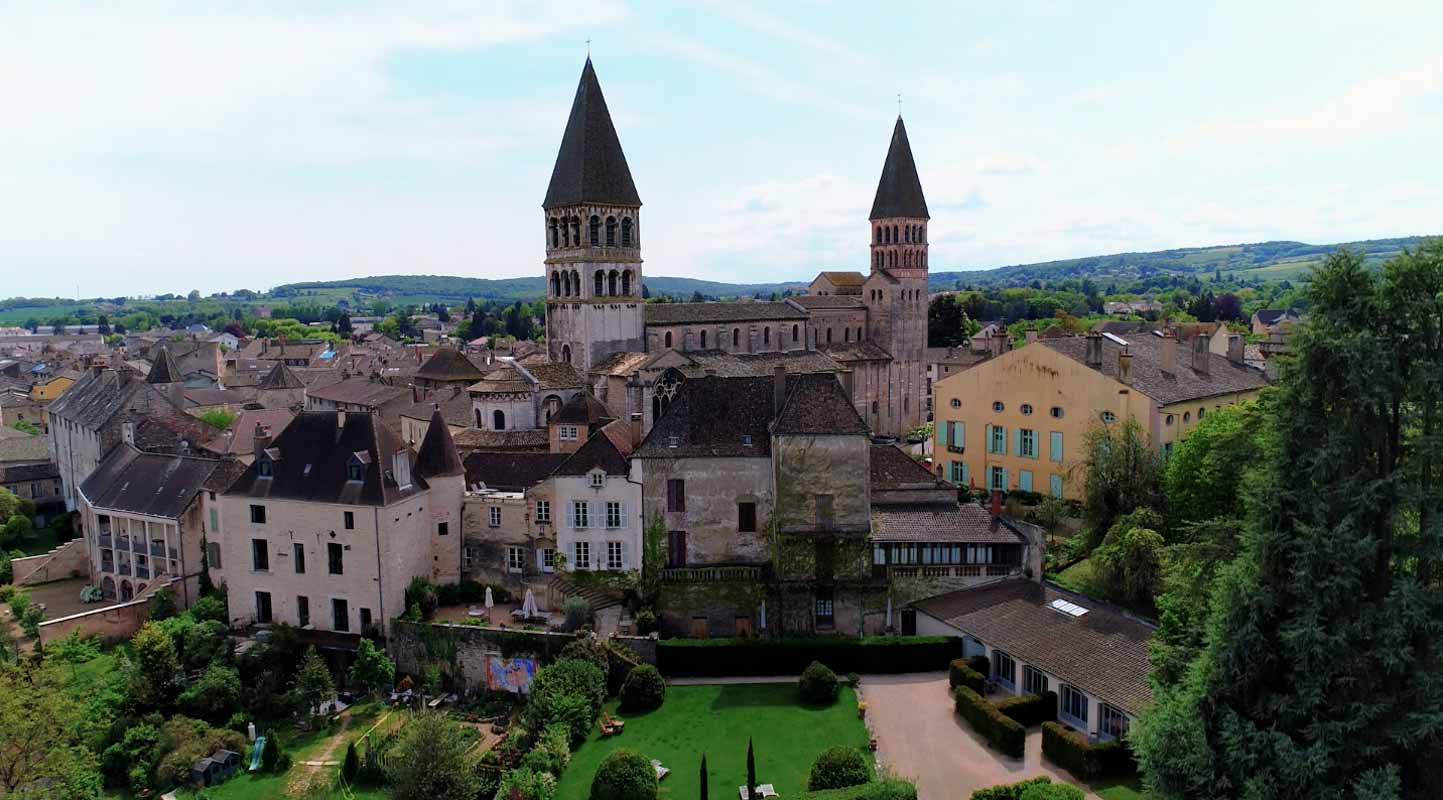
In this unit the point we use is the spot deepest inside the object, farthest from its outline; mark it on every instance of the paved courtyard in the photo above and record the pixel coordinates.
(920, 736)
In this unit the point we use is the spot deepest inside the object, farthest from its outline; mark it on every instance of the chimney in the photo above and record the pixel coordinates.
(1124, 367)
(1094, 349)
(1201, 358)
(1031, 336)
(1235, 348)
(1000, 342)
(262, 440)
(1169, 354)
(635, 430)
(779, 389)
(996, 503)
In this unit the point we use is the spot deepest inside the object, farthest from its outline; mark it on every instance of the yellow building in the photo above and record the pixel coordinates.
(48, 389)
(1018, 421)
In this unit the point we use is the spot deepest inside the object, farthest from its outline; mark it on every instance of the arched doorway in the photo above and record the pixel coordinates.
(566, 353)
(498, 420)
(107, 587)
(126, 594)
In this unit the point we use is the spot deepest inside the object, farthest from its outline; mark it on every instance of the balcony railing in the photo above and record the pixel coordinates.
(124, 569)
(105, 540)
(142, 572)
(729, 574)
(947, 570)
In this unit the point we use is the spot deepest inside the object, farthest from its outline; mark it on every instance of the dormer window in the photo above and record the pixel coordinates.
(747, 440)
(598, 480)
(401, 467)
(567, 433)
(355, 471)
(673, 441)
(264, 468)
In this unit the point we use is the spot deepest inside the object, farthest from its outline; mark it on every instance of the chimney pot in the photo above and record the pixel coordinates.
(1201, 358)
(1169, 353)
(1235, 348)
(996, 503)
(1124, 367)
(1094, 349)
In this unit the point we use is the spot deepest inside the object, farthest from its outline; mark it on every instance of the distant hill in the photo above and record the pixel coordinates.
(1264, 260)
(411, 288)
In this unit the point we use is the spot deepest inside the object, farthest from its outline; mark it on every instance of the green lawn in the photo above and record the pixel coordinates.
(1077, 577)
(1130, 789)
(717, 720)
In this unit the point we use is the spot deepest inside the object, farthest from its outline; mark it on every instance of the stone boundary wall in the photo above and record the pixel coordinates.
(56, 565)
(114, 623)
(413, 645)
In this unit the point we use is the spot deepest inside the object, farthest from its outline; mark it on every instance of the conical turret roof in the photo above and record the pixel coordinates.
(280, 377)
(437, 455)
(899, 192)
(590, 166)
(164, 370)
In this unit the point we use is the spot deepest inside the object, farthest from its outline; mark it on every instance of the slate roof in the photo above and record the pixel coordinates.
(841, 279)
(893, 469)
(505, 380)
(817, 404)
(147, 483)
(583, 409)
(240, 437)
(14, 473)
(514, 471)
(437, 454)
(24, 448)
(711, 416)
(98, 396)
(899, 191)
(170, 432)
(555, 376)
(313, 453)
(359, 391)
(941, 522)
(599, 451)
(810, 301)
(1102, 652)
(1122, 328)
(590, 165)
(164, 370)
(1185, 383)
(214, 397)
(280, 377)
(449, 364)
(744, 365)
(694, 313)
(456, 409)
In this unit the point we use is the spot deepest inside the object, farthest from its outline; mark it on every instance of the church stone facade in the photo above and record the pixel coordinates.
(872, 325)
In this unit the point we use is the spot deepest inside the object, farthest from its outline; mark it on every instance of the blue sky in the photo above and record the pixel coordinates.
(154, 147)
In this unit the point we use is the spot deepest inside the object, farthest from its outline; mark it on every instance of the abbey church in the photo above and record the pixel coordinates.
(869, 329)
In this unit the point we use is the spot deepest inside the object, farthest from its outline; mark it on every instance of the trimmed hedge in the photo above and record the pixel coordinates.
(1030, 709)
(643, 690)
(708, 658)
(980, 663)
(1070, 750)
(1009, 791)
(961, 673)
(818, 685)
(894, 789)
(1052, 791)
(1005, 733)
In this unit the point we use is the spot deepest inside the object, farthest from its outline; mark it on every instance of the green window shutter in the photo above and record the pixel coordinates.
(1056, 485)
(988, 443)
(1017, 441)
(1006, 480)
(965, 481)
(959, 435)
(942, 432)
(1024, 480)
(1057, 446)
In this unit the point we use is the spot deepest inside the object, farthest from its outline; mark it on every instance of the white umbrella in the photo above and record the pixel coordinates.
(889, 611)
(489, 602)
(528, 606)
(763, 615)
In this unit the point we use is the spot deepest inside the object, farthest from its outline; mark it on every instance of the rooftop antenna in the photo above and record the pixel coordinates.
(588, 48)
(899, 104)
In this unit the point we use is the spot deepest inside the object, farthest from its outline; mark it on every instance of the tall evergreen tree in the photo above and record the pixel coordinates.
(703, 776)
(751, 772)
(1322, 674)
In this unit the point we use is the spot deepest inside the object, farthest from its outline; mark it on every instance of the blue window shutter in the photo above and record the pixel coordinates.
(988, 443)
(965, 482)
(959, 434)
(1024, 480)
(1017, 441)
(1006, 480)
(1056, 485)
(1057, 446)
(942, 432)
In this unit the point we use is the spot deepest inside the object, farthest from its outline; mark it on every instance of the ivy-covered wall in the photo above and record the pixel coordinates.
(461, 650)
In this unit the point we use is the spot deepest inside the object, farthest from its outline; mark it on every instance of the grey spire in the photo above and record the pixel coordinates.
(899, 192)
(590, 166)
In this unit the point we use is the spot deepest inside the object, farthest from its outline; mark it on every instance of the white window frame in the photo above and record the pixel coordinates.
(495, 516)
(616, 555)
(1034, 680)
(1027, 442)
(581, 555)
(1066, 693)
(543, 510)
(598, 480)
(548, 559)
(515, 559)
(613, 514)
(580, 514)
(1112, 723)
(567, 433)
(999, 656)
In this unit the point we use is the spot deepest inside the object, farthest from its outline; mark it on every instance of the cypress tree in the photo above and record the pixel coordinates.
(703, 776)
(751, 771)
(1322, 674)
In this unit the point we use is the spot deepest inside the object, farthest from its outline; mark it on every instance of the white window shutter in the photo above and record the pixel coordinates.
(625, 522)
(570, 515)
(625, 556)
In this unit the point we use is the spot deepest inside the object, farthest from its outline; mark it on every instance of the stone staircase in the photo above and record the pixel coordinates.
(563, 588)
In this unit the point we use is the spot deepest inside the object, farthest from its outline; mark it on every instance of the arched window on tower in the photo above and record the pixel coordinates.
(736, 337)
(611, 231)
(894, 234)
(565, 358)
(626, 283)
(599, 281)
(907, 234)
(498, 420)
(611, 279)
(766, 335)
(829, 336)
(565, 233)
(859, 333)
(576, 283)
(796, 332)
(626, 231)
(922, 229)
(668, 338)
(555, 235)
(555, 285)
(576, 231)
(703, 339)
(594, 230)
(478, 419)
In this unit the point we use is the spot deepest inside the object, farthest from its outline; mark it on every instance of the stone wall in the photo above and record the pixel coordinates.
(714, 486)
(115, 623)
(462, 650)
(66, 561)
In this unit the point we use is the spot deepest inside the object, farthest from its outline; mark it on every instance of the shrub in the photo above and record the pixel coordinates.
(210, 608)
(1071, 751)
(578, 614)
(421, 597)
(874, 655)
(162, 604)
(7, 574)
(352, 764)
(980, 663)
(893, 789)
(1030, 709)
(818, 685)
(645, 621)
(1010, 791)
(569, 692)
(552, 751)
(853, 679)
(586, 648)
(270, 754)
(961, 673)
(838, 768)
(1051, 791)
(644, 689)
(624, 775)
(1003, 732)
(525, 783)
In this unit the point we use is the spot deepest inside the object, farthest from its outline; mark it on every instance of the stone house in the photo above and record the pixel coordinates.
(328, 526)
(520, 396)
(37, 482)
(362, 396)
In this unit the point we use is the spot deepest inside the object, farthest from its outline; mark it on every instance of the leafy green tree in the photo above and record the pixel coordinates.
(372, 670)
(16, 530)
(1123, 473)
(156, 676)
(43, 754)
(1322, 673)
(1209, 468)
(162, 604)
(214, 695)
(314, 685)
(1128, 565)
(428, 762)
